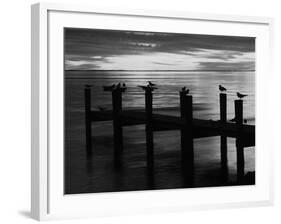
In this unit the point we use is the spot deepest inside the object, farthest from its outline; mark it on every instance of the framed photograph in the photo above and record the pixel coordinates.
(138, 111)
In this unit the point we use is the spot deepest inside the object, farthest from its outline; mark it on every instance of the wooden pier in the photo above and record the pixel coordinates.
(189, 127)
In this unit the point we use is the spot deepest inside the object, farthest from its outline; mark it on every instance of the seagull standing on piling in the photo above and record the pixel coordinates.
(148, 87)
(221, 88)
(240, 95)
(151, 84)
(185, 90)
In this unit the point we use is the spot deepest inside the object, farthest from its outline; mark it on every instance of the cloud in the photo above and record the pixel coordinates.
(97, 47)
(244, 65)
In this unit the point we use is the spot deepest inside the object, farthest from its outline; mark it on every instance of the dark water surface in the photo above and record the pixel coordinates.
(97, 174)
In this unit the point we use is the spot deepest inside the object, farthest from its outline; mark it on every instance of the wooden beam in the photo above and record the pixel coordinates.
(187, 149)
(88, 128)
(117, 127)
(239, 139)
(149, 130)
(223, 138)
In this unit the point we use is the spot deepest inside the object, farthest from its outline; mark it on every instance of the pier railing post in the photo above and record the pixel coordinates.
(117, 126)
(87, 98)
(239, 141)
(187, 150)
(223, 139)
(149, 131)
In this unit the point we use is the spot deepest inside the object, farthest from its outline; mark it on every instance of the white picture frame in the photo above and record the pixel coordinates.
(48, 201)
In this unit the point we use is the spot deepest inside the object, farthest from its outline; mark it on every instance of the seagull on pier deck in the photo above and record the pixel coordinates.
(221, 88)
(240, 95)
(151, 84)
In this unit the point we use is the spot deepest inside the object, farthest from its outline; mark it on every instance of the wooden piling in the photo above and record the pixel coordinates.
(87, 97)
(183, 131)
(187, 150)
(239, 141)
(117, 127)
(149, 130)
(223, 139)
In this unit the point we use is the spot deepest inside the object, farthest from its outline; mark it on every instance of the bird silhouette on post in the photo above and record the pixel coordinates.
(151, 84)
(148, 87)
(240, 95)
(185, 90)
(221, 88)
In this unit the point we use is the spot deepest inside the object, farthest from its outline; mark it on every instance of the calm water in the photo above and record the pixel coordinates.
(203, 87)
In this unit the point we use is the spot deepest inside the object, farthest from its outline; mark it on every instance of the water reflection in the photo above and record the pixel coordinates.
(98, 175)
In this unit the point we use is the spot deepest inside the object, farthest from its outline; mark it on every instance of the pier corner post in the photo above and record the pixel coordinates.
(239, 141)
(117, 126)
(88, 127)
(223, 139)
(187, 148)
(149, 130)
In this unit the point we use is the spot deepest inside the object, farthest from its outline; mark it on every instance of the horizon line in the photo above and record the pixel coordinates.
(184, 70)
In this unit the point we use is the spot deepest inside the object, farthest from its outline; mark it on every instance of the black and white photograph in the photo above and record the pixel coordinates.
(157, 111)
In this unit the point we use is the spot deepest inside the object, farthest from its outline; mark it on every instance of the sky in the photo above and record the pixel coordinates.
(92, 49)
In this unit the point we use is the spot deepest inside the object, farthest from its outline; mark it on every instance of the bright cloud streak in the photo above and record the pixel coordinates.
(112, 50)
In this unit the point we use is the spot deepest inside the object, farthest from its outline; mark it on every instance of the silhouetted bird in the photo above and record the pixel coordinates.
(124, 85)
(240, 95)
(151, 84)
(148, 87)
(88, 86)
(185, 90)
(221, 88)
